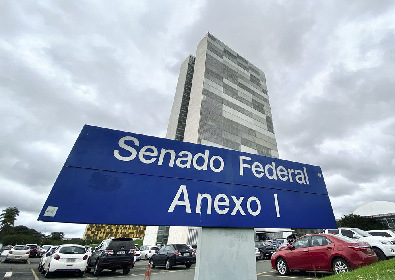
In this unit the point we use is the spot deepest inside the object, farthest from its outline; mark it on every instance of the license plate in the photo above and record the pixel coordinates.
(70, 260)
(121, 252)
(186, 254)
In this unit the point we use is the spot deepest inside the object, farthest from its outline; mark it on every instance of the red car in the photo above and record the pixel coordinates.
(323, 252)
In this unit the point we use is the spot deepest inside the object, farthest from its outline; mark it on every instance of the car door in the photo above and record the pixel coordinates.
(320, 252)
(297, 257)
(160, 258)
(95, 254)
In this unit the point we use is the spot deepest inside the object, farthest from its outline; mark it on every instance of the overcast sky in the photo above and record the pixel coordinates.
(330, 68)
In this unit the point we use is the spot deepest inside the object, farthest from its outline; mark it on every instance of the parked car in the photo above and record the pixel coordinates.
(67, 257)
(266, 249)
(384, 247)
(4, 253)
(43, 249)
(45, 256)
(113, 254)
(146, 251)
(137, 254)
(257, 254)
(173, 254)
(280, 242)
(323, 252)
(34, 250)
(18, 253)
(383, 233)
(89, 250)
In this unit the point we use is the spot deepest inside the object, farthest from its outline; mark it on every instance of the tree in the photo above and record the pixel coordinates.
(8, 216)
(21, 235)
(57, 235)
(356, 221)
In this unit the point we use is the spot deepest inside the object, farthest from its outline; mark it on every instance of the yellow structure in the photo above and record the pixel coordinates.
(99, 232)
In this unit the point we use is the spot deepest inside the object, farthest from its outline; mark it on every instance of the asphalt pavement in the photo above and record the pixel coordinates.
(21, 271)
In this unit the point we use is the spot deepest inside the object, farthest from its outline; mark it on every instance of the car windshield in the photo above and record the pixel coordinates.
(121, 244)
(361, 232)
(344, 238)
(21, 247)
(383, 234)
(181, 247)
(72, 250)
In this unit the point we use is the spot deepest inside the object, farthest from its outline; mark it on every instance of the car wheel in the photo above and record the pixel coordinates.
(339, 265)
(80, 274)
(88, 269)
(113, 270)
(47, 274)
(5, 261)
(282, 267)
(97, 270)
(151, 263)
(188, 265)
(168, 264)
(126, 270)
(261, 257)
(380, 254)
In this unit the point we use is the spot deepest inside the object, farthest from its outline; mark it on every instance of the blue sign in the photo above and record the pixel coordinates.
(116, 177)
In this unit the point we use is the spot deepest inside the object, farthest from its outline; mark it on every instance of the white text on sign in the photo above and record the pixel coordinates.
(221, 203)
(150, 154)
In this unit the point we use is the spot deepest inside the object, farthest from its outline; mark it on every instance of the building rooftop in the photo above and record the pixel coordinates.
(376, 209)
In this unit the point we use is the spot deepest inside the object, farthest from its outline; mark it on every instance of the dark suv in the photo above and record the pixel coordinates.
(112, 254)
(266, 249)
(174, 254)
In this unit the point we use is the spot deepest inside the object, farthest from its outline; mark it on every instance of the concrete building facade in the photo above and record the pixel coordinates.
(221, 100)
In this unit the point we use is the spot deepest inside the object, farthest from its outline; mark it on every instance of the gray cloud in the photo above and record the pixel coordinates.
(329, 67)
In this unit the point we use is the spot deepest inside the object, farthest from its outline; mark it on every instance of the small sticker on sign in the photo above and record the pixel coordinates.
(51, 211)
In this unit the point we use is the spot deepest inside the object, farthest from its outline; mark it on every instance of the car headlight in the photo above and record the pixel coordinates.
(384, 241)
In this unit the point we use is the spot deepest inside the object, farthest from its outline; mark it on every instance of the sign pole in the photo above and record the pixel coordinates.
(225, 253)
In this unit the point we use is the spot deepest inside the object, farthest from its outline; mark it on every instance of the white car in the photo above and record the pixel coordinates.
(258, 255)
(45, 256)
(18, 253)
(68, 257)
(137, 254)
(146, 251)
(383, 233)
(384, 247)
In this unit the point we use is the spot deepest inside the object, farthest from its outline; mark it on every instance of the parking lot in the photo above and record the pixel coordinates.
(14, 271)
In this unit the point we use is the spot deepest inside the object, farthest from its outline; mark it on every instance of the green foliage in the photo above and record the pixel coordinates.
(364, 223)
(57, 236)
(384, 270)
(8, 216)
(138, 242)
(21, 235)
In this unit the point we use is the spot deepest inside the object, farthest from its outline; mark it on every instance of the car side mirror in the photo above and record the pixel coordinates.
(355, 236)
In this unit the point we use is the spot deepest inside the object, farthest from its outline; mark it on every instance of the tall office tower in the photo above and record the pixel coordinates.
(221, 100)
